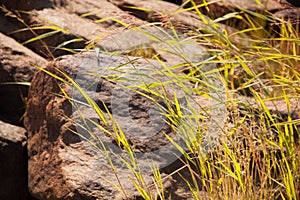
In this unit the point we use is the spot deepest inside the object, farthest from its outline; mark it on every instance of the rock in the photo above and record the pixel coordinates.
(216, 9)
(174, 49)
(172, 15)
(69, 166)
(292, 15)
(16, 65)
(278, 109)
(76, 20)
(96, 10)
(69, 23)
(13, 159)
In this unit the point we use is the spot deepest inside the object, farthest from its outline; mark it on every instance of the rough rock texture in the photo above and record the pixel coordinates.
(75, 18)
(13, 159)
(158, 41)
(217, 9)
(69, 167)
(172, 15)
(16, 65)
(70, 24)
(102, 10)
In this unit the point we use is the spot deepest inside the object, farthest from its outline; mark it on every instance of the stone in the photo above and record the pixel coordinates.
(75, 19)
(216, 9)
(58, 17)
(17, 64)
(69, 166)
(13, 159)
(96, 10)
(174, 16)
(174, 49)
(292, 15)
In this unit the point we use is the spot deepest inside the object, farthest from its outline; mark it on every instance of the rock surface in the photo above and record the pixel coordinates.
(174, 16)
(76, 20)
(292, 15)
(70, 168)
(13, 159)
(217, 9)
(16, 65)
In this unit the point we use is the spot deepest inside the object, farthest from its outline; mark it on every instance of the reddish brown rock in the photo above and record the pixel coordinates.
(62, 165)
(96, 10)
(16, 65)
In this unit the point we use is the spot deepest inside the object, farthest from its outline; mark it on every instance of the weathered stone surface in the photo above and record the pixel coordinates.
(16, 65)
(175, 49)
(180, 19)
(69, 167)
(96, 10)
(72, 25)
(13, 159)
(220, 8)
(70, 16)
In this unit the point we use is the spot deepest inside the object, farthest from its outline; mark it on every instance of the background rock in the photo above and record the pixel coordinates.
(16, 65)
(292, 15)
(13, 159)
(75, 19)
(215, 9)
(174, 16)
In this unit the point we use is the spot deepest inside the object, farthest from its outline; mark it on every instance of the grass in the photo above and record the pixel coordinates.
(257, 155)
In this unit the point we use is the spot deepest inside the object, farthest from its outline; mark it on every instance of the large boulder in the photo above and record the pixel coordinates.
(17, 65)
(61, 127)
(68, 166)
(13, 159)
